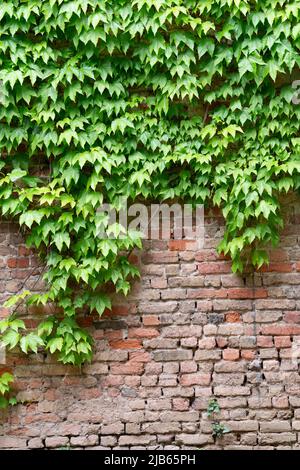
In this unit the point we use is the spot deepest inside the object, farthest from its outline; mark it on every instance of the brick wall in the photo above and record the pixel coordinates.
(191, 330)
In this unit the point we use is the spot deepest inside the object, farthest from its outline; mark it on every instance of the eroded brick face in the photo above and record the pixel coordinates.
(189, 331)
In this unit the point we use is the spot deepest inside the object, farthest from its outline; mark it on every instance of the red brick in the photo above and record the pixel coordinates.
(280, 402)
(207, 343)
(207, 293)
(292, 317)
(188, 366)
(130, 368)
(12, 262)
(189, 342)
(158, 283)
(90, 393)
(121, 310)
(160, 257)
(22, 262)
(195, 379)
(265, 341)
(180, 404)
(283, 342)
(126, 344)
(280, 330)
(207, 255)
(112, 335)
(179, 245)
(214, 268)
(151, 320)
(247, 293)
(143, 333)
(221, 342)
(231, 354)
(233, 317)
(139, 356)
(248, 354)
(277, 268)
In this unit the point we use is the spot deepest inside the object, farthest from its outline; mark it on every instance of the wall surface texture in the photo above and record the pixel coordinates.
(190, 331)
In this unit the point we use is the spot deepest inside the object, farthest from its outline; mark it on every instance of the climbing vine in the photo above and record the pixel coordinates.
(148, 99)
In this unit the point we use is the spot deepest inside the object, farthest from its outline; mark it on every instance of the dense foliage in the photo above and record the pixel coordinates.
(154, 99)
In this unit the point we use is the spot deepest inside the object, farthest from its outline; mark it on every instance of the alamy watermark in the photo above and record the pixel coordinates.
(153, 222)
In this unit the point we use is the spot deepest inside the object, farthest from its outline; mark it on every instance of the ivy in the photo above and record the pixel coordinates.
(147, 99)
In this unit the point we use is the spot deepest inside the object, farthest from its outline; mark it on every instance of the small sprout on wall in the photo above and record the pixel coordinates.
(218, 429)
(5, 380)
(213, 407)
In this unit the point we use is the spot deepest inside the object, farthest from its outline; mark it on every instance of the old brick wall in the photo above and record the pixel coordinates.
(190, 331)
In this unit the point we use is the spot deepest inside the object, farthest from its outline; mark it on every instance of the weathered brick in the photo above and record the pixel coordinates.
(189, 342)
(233, 317)
(179, 416)
(108, 441)
(277, 438)
(207, 343)
(54, 442)
(231, 354)
(228, 304)
(227, 391)
(35, 443)
(275, 304)
(157, 307)
(283, 342)
(113, 428)
(151, 320)
(195, 379)
(143, 333)
(280, 402)
(265, 341)
(214, 268)
(129, 368)
(194, 439)
(10, 442)
(275, 426)
(228, 379)
(180, 404)
(267, 316)
(161, 428)
(230, 329)
(170, 294)
(179, 391)
(136, 440)
(226, 366)
(242, 426)
(281, 330)
(84, 441)
(207, 355)
(296, 425)
(173, 355)
(182, 332)
(292, 317)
